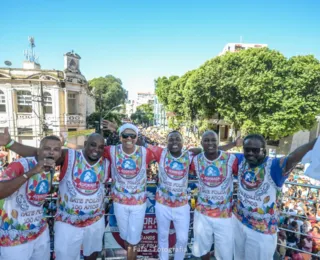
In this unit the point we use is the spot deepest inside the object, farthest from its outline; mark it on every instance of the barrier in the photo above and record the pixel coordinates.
(113, 231)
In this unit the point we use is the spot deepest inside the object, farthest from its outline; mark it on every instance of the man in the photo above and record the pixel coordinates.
(260, 180)
(80, 215)
(212, 217)
(79, 220)
(24, 186)
(171, 196)
(129, 164)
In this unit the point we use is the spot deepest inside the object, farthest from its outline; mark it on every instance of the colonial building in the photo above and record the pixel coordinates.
(36, 102)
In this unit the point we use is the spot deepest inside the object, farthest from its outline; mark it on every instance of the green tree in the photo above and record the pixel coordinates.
(256, 90)
(108, 92)
(163, 85)
(93, 120)
(143, 115)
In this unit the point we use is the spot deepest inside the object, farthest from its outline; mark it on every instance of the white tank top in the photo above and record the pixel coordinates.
(215, 185)
(81, 191)
(256, 205)
(173, 179)
(129, 175)
(22, 218)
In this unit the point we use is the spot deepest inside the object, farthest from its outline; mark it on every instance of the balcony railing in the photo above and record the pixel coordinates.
(75, 120)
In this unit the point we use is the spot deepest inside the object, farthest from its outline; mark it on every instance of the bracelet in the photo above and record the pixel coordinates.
(9, 144)
(26, 176)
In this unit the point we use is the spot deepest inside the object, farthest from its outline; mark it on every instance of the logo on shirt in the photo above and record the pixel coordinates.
(86, 182)
(175, 170)
(250, 181)
(37, 190)
(212, 176)
(128, 169)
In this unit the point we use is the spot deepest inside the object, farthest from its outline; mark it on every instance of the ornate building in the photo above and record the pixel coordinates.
(36, 102)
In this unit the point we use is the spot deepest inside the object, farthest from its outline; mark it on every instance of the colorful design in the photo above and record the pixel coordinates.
(128, 166)
(256, 206)
(21, 214)
(212, 174)
(129, 176)
(262, 219)
(81, 191)
(251, 179)
(70, 215)
(216, 209)
(176, 168)
(86, 179)
(172, 191)
(216, 186)
(165, 197)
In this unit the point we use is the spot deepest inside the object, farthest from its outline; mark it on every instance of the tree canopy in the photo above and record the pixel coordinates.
(255, 90)
(143, 115)
(108, 92)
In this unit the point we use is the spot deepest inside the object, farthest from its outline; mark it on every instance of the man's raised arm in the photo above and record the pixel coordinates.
(21, 149)
(296, 156)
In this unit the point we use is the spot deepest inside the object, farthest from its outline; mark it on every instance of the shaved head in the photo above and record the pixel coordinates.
(95, 136)
(209, 132)
(94, 147)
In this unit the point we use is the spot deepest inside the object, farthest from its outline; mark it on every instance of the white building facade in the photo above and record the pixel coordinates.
(235, 47)
(36, 102)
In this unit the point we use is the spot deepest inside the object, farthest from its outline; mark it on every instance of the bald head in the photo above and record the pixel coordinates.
(95, 136)
(94, 147)
(209, 132)
(209, 142)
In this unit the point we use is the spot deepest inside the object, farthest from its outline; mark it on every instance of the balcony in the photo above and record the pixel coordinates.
(75, 120)
(24, 119)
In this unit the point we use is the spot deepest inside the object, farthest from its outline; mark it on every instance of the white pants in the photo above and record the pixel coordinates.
(130, 220)
(250, 244)
(181, 220)
(68, 239)
(209, 230)
(38, 249)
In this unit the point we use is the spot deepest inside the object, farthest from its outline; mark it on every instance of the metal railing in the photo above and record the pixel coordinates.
(191, 227)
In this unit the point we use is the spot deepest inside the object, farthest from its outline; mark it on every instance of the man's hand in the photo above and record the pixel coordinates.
(239, 142)
(62, 138)
(5, 137)
(43, 165)
(108, 125)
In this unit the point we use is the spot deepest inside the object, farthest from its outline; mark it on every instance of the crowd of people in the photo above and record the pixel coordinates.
(241, 228)
(300, 217)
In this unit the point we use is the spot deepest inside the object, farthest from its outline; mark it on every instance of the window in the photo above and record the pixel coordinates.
(25, 131)
(72, 103)
(2, 102)
(47, 99)
(24, 101)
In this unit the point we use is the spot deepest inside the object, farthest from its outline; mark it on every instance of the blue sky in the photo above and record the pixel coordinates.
(139, 41)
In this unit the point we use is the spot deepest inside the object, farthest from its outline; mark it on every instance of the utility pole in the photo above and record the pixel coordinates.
(43, 119)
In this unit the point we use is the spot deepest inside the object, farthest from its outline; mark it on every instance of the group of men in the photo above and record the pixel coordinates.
(243, 229)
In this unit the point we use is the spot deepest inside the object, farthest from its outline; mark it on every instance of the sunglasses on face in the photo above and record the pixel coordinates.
(126, 136)
(254, 150)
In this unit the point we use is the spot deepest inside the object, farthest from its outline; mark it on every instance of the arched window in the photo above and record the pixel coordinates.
(2, 102)
(47, 99)
(24, 101)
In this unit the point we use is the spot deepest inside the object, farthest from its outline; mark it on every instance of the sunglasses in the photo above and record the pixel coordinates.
(126, 136)
(254, 150)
